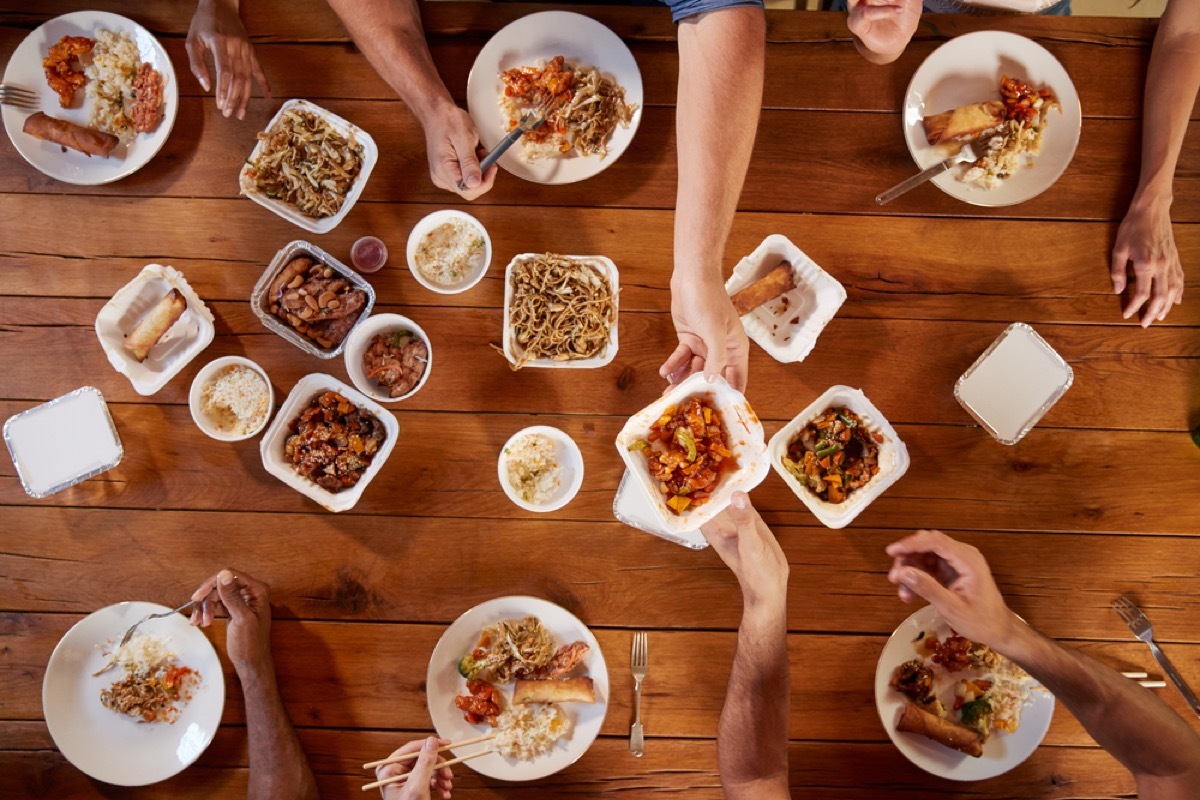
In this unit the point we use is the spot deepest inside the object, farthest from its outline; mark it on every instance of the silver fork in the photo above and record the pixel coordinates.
(129, 633)
(967, 153)
(18, 98)
(531, 120)
(1143, 630)
(639, 665)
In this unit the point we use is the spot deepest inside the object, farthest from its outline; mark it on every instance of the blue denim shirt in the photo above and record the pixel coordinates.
(682, 9)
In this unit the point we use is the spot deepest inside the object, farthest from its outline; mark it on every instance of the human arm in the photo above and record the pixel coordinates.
(752, 735)
(1133, 725)
(217, 29)
(278, 767)
(1145, 242)
(882, 28)
(389, 34)
(721, 55)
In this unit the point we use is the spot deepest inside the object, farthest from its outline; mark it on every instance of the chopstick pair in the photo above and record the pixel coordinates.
(1141, 677)
(416, 753)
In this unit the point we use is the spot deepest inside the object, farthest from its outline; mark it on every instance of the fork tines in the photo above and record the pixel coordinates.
(639, 657)
(18, 97)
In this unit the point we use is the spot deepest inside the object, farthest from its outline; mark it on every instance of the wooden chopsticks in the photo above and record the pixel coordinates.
(415, 753)
(1141, 678)
(439, 765)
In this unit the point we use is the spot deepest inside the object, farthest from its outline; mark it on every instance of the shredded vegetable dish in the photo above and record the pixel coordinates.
(305, 163)
(152, 684)
(834, 455)
(585, 108)
(687, 453)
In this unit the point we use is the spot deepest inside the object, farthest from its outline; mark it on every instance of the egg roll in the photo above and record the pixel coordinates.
(568, 690)
(59, 131)
(943, 731)
(776, 282)
(963, 123)
(155, 324)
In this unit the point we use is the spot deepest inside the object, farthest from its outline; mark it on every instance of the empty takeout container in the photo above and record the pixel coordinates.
(1014, 383)
(63, 442)
(893, 456)
(633, 508)
(788, 326)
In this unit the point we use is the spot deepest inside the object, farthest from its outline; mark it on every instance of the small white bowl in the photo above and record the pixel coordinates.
(428, 223)
(195, 401)
(357, 343)
(570, 462)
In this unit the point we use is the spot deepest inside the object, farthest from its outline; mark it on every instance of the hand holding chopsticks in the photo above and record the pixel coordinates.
(425, 770)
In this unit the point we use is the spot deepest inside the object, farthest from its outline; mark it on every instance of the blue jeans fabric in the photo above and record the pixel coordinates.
(682, 9)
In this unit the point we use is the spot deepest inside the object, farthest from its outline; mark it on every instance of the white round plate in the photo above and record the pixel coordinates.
(426, 225)
(570, 461)
(112, 747)
(544, 35)
(1003, 751)
(966, 70)
(25, 70)
(443, 683)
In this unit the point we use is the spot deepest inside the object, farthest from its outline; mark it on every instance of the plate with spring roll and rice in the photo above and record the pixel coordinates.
(107, 97)
(528, 675)
(956, 708)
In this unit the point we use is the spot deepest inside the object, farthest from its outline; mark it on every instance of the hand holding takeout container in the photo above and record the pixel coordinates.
(788, 326)
(744, 434)
(893, 456)
(182, 342)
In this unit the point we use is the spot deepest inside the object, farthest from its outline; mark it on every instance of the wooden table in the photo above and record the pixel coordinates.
(1101, 499)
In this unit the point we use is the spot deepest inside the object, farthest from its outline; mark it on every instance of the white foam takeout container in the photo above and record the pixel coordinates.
(570, 461)
(893, 456)
(63, 442)
(632, 507)
(744, 434)
(304, 392)
(610, 352)
(427, 224)
(788, 326)
(190, 334)
(1014, 383)
(370, 155)
(359, 339)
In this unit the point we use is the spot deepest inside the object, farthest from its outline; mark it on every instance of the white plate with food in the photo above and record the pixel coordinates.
(560, 311)
(278, 175)
(955, 96)
(838, 455)
(168, 672)
(231, 399)
(388, 357)
(509, 650)
(540, 468)
(449, 251)
(96, 130)
(585, 67)
(989, 713)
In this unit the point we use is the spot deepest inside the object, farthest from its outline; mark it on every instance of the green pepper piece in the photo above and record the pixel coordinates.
(828, 451)
(849, 423)
(640, 444)
(683, 437)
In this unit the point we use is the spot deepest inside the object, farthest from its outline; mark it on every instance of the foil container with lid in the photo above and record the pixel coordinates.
(261, 304)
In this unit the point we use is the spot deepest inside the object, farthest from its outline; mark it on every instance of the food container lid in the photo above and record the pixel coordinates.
(63, 442)
(631, 507)
(1014, 383)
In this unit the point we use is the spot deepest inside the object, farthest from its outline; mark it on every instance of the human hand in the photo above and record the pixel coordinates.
(749, 549)
(956, 580)
(883, 28)
(452, 146)
(1146, 240)
(711, 337)
(248, 603)
(424, 779)
(217, 29)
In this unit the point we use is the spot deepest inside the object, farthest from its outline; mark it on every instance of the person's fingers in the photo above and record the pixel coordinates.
(247, 89)
(205, 589)
(422, 770)
(956, 554)
(224, 77)
(231, 595)
(869, 14)
(715, 359)
(1143, 281)
(736, 372)
(195, 50)
(1159, 302)
(741, 512)
(921, 583)
(259, 75)
(676, 362)
(1116, 270)
(468, 163)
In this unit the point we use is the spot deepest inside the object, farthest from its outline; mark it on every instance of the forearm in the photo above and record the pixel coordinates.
(752, 736)
(721, 57)
(278, 767)
(1128, 721)
(389, 34)
(1171, 84)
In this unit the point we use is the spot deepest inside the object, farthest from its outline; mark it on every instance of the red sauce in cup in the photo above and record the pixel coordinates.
(368, 254)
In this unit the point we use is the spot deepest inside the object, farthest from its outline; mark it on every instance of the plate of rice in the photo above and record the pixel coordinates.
(147, 717)
(122, 60)
(532, 740)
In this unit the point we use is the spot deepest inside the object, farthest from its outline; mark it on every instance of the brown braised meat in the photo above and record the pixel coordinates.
(914, 680)
(316, 301)
(148, 89)
(397, 360)
(332, 442)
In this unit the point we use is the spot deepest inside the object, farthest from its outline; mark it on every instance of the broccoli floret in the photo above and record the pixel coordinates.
(976, 713)
(468, 666)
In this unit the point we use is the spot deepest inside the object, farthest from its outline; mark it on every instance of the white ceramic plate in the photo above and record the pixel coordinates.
(443, 683)
(967, 69)
(570, 463)
(1002, 752)
(360, 339)
(25, 70)
(427, 224)
(118, 749)
(542, 36)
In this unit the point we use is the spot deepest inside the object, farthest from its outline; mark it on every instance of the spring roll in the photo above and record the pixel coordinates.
(943, 731)
(155, 324)
(569, 690)
(963, 123)
(68, 134)
(776, 282)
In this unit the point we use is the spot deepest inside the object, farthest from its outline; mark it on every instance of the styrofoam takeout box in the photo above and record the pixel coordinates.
(893, 456)
(427, 224)
(788, 326)
(271, 448)
(510, 347)
(633, 508)
(370, 154)
(190, 334)
(744, 434)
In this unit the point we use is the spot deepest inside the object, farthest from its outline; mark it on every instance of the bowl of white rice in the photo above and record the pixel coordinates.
(449, 251)
(231, 399)
(540, 468)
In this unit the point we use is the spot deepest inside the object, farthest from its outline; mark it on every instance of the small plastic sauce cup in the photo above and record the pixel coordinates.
(368, 254)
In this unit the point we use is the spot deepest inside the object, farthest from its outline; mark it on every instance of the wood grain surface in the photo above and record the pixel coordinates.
(1101, 499)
